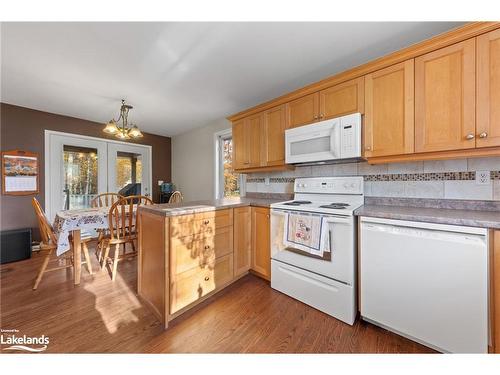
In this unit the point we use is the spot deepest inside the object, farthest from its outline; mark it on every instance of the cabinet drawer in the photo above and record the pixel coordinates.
(196, 283)
(197, 250)
(187, 225)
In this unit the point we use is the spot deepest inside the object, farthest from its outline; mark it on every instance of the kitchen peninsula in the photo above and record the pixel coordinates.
(190, 251)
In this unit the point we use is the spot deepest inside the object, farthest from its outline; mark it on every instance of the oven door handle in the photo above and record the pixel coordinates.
(338, 220)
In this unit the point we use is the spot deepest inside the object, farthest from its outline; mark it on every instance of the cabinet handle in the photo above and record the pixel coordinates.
(207, 278)
(315, 117)
(368, 148)
(207, 247)
(206, 222)
(483, 135)
(321, 116)
(469, 137)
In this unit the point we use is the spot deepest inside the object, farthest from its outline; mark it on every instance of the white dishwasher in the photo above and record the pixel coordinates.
(428, 282)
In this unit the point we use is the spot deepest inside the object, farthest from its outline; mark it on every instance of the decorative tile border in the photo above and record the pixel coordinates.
(256, 179)
(443, 176)
(282, 179)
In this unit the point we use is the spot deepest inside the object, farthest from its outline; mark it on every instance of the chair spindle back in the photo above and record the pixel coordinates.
(122, 216)
(46, 230)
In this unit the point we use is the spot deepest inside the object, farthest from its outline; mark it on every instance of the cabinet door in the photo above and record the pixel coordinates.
(261, 252)
(240, 150)
(242, 240)
(253, 127)
(389, 101)
(488, 90)
(445, 98)
(342, 99)
(302, 111)
(273, 137)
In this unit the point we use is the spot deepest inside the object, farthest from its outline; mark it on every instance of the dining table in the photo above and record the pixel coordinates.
(68, 226)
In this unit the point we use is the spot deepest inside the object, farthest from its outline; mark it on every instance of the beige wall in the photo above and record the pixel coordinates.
(193, 161)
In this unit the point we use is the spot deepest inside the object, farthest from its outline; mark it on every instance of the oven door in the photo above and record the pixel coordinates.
(312, 143)
(341, 262)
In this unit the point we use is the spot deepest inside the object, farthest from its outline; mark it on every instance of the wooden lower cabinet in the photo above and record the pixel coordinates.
(261, 251)
(187, 258)
(242, 229)
(189, 286)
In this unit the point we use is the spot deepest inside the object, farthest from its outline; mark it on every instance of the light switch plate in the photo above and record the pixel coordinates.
(160, 182)
(483, 178)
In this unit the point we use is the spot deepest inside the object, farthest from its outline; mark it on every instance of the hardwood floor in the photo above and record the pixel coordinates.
(100, 316)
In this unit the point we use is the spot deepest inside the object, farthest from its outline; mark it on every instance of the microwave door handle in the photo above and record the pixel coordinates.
(333, 140)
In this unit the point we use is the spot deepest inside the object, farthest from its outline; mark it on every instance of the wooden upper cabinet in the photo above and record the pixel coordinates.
(342, 99)
(239, 145)
(302, 111)
(254, 127)
(273, 137)
(389, 111)
(445, 98)
(246, 141)
(488, 90)
(242, 240)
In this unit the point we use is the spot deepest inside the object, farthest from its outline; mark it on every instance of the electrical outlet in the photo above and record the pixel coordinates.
(266, 181)
(483, 178)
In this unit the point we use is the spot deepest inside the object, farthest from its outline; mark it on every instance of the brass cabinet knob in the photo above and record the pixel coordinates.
(469, 137)
(206, 222)
(321, 116)
(368, 148)
(207, 247)
(315, 117)
(207, 278)
(483, 135)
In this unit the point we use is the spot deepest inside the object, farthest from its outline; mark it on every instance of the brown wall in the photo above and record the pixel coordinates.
(23, 129)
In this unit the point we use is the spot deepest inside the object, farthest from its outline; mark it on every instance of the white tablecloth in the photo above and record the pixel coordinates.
(83, 219)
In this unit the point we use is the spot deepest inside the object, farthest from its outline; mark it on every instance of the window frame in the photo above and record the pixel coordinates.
(219, 137)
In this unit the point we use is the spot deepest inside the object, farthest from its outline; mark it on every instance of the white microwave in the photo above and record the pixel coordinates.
(331, 141)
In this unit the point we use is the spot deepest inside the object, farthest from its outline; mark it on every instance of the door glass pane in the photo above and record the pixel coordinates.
(231, 178)
(128, 173)
(80, 176)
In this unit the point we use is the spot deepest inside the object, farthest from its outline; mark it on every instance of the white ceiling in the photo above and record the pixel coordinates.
(179, 76)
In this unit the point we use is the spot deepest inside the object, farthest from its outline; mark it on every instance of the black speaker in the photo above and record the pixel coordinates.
(15, 245)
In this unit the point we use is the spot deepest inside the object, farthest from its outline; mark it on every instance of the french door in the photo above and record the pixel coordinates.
(78, 168)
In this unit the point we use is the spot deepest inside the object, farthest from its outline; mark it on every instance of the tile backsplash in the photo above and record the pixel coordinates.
(445, 179)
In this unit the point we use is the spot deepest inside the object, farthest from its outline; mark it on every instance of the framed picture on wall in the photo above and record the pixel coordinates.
(20, 173)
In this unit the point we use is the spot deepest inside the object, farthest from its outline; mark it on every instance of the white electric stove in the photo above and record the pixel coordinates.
(327, 283)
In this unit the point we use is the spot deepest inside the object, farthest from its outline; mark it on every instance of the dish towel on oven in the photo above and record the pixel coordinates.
(307, 233)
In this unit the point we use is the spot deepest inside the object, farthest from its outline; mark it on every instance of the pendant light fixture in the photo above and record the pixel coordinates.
(120, 127)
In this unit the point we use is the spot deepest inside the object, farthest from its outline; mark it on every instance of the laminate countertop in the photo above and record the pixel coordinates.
(193, 207)
(455, 216)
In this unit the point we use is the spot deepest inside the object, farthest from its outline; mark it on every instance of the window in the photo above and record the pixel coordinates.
(227, 182)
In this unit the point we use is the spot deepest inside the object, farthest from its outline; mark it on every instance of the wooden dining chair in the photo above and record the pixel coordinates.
(122, 230)
(49, 245)
(176, 197)
(103, 200)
